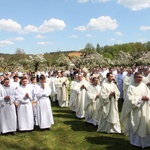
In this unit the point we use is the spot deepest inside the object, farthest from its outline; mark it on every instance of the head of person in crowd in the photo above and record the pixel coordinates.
(140, 70)
(111, 70)
(62, 73)
(49, 74)
(12, 74)
(16, 78)
(58, 74)
(6, 82)
(33, 80)
(110, 77)
(138, 77)
(95, 81)
(146, 71)
(118, 71)
(6, 75)
(24, 81)
(76, 77)
(85, 71)
(80, 77)
(42, 80)
(130, 71)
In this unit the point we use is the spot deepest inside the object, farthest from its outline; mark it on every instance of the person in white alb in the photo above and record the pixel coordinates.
(81, 93)
(24, 95)
(8, 117)
(92, 100)
(108, 121)
(44, 114)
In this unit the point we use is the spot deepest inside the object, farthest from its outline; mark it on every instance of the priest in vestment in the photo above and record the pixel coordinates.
(91, 101)
(135, 115)
(81, 93)
(108, 117)
(128, 79)
(62, 90)
(24, 95)
(8, 117)
(146, 76)
(73, 93)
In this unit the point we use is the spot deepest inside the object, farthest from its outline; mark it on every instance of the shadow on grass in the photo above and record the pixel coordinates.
(112, 143)
(61, 111)
(81, 125)
(68, 116)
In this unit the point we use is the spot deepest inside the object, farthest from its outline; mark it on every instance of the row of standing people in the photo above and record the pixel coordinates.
(24, 106)
(99, 105)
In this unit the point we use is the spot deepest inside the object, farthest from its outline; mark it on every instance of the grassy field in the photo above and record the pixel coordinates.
(68, 133)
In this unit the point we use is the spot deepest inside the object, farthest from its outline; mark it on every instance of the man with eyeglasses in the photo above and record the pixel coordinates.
(135, 115)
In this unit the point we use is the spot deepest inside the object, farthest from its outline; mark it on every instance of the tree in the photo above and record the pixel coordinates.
(36, 60)
(98, 49)
(123, 58)
(7, 66)
(63, 61)
(89, 49)
(142, 58)
(19, 51)
(147, 46)
(90, 60)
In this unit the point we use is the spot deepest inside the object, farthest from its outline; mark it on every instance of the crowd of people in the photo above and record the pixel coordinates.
(94, 96)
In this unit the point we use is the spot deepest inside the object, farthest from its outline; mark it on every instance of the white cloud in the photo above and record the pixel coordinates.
(10, 25)
(135, 4)
(102, 23)
(40, 37)
(51, 25)
(119, 34)
(47, 26)
(31, 28)
(6, 42)
(45, 43)
(94, 1)
(16, 39)
(145, 28)
(80, 28)
(74, 36)
(88, 35)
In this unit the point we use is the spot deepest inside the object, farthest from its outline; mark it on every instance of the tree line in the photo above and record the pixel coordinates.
(126, 54)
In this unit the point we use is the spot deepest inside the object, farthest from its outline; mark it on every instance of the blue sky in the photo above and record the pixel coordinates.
(39, 26)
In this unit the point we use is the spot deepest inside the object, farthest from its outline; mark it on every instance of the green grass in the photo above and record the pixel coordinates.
(68, 133)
